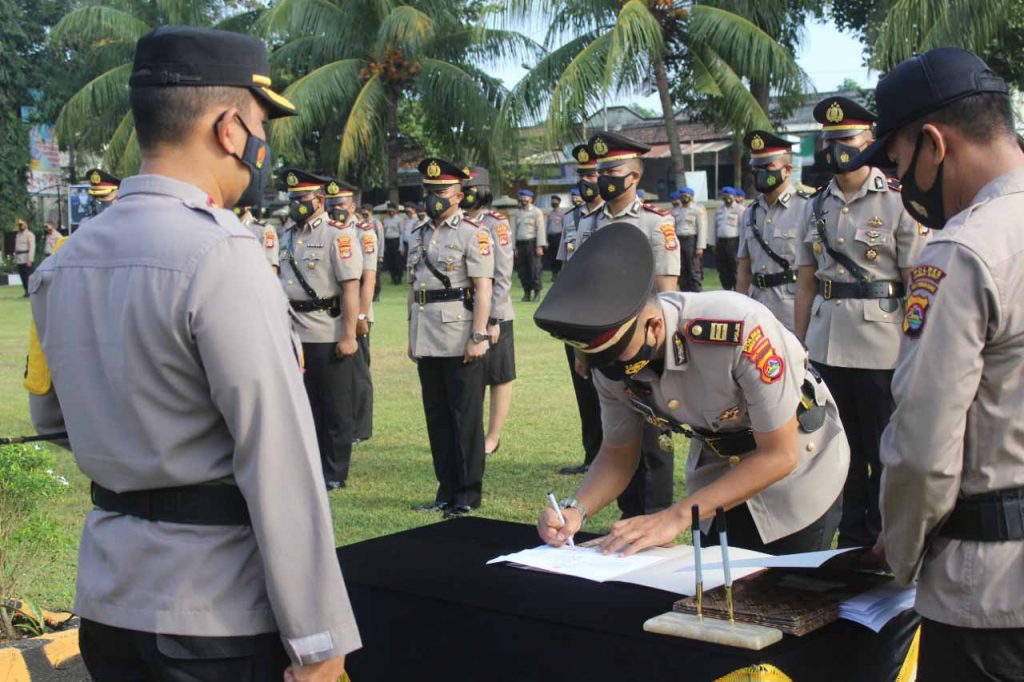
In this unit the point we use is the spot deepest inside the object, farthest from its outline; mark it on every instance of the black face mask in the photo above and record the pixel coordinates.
(768, 180)
(620, 369)
(300, 211)
(437, 205)
(338, 214)
(685, 199)
(470, 200)
(611, 186)
(96, 207)
(588, 190)
(255, 157)
(924, 206)
(839, 156)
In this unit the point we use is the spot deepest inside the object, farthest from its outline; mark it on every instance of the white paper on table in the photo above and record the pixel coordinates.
(805, 560)
(581, 562)
(876, 607)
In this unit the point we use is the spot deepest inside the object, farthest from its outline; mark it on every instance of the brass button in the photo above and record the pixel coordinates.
(423, 285)
(838, 301)
(764, 267)
(459, 317)
(840, 241)
(841, 271)
(673, 404)
(290, 282)
(421, 309)
(734, 460)
(299, 242)
(846, 209)
(696, 330)
(811, 447)
(885, 316)
(769, 221)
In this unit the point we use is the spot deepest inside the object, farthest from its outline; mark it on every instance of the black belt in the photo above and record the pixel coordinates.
(424, 296)
(775, 279)
(308, 306)
(728, 444)
(997, 516)
(881, 289)
(526, 241)
(202, 505)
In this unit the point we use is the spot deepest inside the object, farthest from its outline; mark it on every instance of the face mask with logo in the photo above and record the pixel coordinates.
(300, 211)
(768, 180)
(437, 206)
(470, 200)
(620, 369)
(338, 214)
(839, 156)
(612, 186)
(256, 157)
(924, 206)
(588, 190)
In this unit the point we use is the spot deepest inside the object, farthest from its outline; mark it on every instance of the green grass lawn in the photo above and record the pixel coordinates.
(389, 472)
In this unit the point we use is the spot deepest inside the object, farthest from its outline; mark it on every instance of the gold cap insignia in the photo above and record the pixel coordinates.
(466, 171)
(582, 156)
(600, 147)
(95, 178)
(433, 170)
(757, 144)
(333, 188)
(834, 114)
(291, 180)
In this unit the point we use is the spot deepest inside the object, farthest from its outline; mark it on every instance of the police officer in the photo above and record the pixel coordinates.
(409, 221)
(452, 262)
(341, 208)
(772, 227)
(24, 252)
(393, 262)
(619, 169)
(853, 262)
(322, 263)
(500, 361)
(370, 221)
(951, 488)
(692, 229)
(50, 237)
(209, 551)
(766, 442)
(577, 230)
(531, 240)
(103, 188)
(555, 221)
(264, 232)
(727, 237)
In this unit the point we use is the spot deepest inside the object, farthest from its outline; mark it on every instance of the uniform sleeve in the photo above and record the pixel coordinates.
(562, 251)
(805, 249)
(743, 251)
(911, 237)
(542, 230)
(270, 245)
(346, 255)
(238, 319)
(502, 264)
(479, 252)
(702, 227)
(665, 245)
(951, 307)
(370, 246)
(769, 369)
(620, 423)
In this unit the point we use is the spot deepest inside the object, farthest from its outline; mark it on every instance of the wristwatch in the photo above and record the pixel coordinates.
(361, 317)
(573, 503)
(480, 337)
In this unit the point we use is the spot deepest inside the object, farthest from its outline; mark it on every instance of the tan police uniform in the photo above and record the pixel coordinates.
(51, 242)
(363, 381)
(781, 227)
(692, 229)
(727, 234)
(24, 247)
(656, 224)
(392, 246)
(530, 232)
(500, 360)
(266, 235)
(172, 357)
(956, 431)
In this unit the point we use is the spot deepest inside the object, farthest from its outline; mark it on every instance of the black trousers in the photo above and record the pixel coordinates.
(529, 265)
(362, 399)
(725, 260)
(691, 274)
(393, 261)
(949, 652)
(114, 654)
(453, 403)
(864, 399)
(329, 381)
(551, 261)
(589, 406)
(650, 489)
(742, 532)
(25, 271)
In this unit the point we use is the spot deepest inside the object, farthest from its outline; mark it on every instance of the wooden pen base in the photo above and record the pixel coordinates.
(689, 626)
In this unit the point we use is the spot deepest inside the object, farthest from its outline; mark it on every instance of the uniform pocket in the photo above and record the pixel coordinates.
(875, 312)
(453, 311)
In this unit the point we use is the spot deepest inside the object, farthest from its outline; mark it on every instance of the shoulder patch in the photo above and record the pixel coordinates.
(895, 185)
(369, 244)
(497, 214)
(924, 284)
(654, 209)
(759, 350)
(344, 247)
(723, 332)
(483, 242)
(503, 232)
(668, 235)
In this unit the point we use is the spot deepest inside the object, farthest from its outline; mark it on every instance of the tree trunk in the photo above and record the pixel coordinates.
(762, 94)
(737, 160)
(393, 147)
(671, 127)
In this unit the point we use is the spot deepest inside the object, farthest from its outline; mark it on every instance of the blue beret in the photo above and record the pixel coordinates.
(738, 192)
(687, 190)
(674, 195)
(525, 193)
(575, 191)
(728, 190)
(640, 193)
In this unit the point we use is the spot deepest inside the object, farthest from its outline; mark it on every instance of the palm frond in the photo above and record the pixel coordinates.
(636, 36)
(487, 46)
(242, 22)
(735, 105)
(320, 96)
(914, 26)
(99, 97)
(91, 25)
(122, 154)
(302, 18)
(307, 52)
(188, 12)
(406, 29)
(366, 127)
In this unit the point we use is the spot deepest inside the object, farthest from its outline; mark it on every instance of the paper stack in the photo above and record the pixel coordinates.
(876, 607)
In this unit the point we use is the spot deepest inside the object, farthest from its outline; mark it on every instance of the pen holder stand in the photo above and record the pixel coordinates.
(713, 630)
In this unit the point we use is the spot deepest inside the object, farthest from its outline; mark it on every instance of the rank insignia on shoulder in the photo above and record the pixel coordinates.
(678, 349)
(879, 183)
(654, 209)
(497, 214)
(895, 185)
(724, 332)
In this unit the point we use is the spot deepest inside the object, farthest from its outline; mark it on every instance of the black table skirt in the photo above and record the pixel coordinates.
(429, 608)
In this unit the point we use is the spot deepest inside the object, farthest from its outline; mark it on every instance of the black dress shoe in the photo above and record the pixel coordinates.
(572, 471)
(335, 485)
(526, 297)
(433, 507)
(457, 511)
(536, 296)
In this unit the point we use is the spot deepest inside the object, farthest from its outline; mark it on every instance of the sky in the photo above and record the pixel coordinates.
(828, 55)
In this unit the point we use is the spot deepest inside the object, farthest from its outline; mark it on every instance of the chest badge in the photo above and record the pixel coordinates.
(729, 415)
(875, 221)
(871, 254)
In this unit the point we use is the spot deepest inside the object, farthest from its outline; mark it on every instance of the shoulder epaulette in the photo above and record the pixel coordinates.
(724, 332)
(810, 195)
(895, 185)
(472, 223)
(654, 209)
(335, 224)
(497, 214)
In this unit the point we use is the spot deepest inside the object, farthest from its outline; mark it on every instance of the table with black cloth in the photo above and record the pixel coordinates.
(429, 608)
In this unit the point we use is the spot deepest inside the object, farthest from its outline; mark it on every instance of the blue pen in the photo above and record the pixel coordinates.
(695, 532)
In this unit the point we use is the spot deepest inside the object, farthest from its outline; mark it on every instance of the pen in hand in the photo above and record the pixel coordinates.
(558, 513)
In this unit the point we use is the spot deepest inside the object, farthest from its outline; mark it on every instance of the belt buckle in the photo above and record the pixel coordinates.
(710, 442)
(421, 297)
(828, 289)
(759, 281)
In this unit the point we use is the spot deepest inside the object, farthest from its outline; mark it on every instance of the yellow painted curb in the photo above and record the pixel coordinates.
(61, 647)
(12, 666)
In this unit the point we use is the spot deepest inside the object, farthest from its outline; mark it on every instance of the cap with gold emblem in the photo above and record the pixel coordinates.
(338, 191)
(478, 177)
(765, 147)
(595, 302)
(842, 117)
(298, 181)
(188, 56)
(586, 160)
(102, 183)
(438, 172)
(611, 149)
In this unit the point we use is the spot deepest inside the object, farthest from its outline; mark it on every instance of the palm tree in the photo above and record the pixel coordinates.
(360, 62)
(97, 117)
(619, 46)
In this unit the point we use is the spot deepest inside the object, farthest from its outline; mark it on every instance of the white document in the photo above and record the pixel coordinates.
(658, 567)
(805, 560)
(875, 608)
